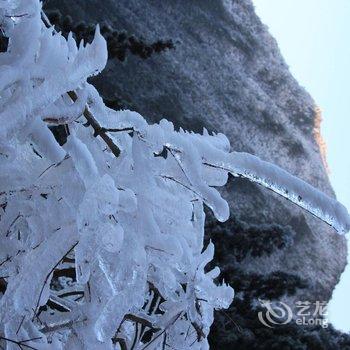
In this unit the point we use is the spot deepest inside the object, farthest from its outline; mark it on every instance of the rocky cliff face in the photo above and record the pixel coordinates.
(226, 74)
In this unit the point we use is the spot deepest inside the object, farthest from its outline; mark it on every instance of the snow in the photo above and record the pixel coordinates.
(120, 204)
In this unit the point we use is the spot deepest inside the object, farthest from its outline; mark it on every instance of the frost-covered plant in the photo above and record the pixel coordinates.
(102, 238)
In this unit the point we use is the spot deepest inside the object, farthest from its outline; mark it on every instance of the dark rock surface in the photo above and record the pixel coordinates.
(226, 74)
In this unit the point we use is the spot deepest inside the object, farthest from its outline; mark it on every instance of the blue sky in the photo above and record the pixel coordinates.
(314, 38)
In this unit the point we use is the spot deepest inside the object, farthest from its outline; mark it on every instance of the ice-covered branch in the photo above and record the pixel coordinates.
(245, 165)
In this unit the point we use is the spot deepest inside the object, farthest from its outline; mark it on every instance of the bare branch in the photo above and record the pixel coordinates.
(47, 277)
(98, 130)
(21, 343)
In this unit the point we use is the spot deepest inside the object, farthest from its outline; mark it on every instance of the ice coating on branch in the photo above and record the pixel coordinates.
(292, 188)
(35, 76)
(101, 239)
